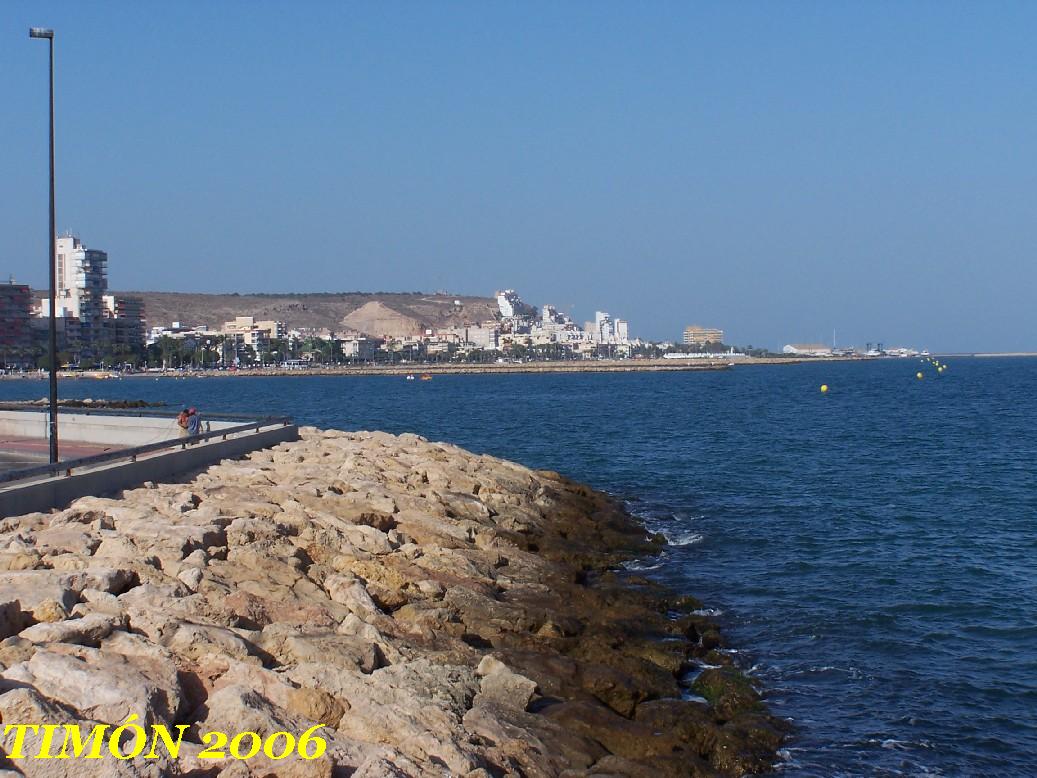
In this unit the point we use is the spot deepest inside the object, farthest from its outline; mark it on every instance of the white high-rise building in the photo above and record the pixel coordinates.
(606, 330)
(82, 281)
(508, 302)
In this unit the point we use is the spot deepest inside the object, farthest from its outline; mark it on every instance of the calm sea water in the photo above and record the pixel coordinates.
(872, 552)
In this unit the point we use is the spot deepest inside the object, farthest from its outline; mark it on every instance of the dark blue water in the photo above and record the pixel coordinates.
(872, 551)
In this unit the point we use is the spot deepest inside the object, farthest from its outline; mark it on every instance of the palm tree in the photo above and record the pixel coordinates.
(169, 348)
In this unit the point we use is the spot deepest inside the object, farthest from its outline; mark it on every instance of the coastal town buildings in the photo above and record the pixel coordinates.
(357, 348)
(607, 330)
(68, 333)
(695, 335)
(124, 321)
(242, 341)
(91, 323)
(176, 330)
(509, 303)
(480, 336)
(549, 332)
(257, 340)
(376, 332)
(502, 329)
(555, 327)
(257, 334)
(515, 315)
(15, 327)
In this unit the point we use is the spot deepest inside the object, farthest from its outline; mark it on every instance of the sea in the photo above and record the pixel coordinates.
(871, 552)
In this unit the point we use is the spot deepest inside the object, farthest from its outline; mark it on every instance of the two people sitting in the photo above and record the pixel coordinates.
(189, 423)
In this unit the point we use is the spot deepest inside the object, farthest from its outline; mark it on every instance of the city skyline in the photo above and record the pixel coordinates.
(774, 172)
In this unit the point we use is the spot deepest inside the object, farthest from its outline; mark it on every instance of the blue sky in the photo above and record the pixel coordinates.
(773, 168)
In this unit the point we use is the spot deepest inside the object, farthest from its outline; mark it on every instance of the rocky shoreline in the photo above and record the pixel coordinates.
(88, 403)
(440, 612)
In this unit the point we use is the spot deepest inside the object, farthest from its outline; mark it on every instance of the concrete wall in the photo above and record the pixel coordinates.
(103, 429)
(59, 491)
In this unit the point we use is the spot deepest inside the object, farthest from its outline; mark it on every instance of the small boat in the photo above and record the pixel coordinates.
(410, 376)
(426, 377)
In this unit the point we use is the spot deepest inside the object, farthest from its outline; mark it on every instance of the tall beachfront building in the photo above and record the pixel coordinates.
(98, 319)
(82, 283)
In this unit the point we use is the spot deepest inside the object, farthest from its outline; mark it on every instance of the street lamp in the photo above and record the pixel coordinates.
(41, 32)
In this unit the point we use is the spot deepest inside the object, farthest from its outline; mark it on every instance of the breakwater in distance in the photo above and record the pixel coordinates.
(458, 368)
(868, 552)
(420, 609)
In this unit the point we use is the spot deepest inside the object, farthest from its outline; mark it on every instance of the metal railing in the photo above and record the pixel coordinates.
(255, 424)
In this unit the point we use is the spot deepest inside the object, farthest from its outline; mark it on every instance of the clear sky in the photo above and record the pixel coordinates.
(777, 169)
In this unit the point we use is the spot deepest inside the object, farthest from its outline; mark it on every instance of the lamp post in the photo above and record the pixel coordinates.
(40, 32)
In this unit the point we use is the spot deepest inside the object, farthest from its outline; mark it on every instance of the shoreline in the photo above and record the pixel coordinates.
(434, 609)
(416, 369)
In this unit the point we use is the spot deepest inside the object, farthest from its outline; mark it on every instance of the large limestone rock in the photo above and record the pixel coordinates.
(88, 631)
(27, 705)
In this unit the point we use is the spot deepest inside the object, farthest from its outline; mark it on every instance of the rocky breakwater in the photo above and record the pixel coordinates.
(441, 613)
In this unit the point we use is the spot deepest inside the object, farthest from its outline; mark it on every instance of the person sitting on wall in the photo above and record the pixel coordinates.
(182, 422)
(194, 423)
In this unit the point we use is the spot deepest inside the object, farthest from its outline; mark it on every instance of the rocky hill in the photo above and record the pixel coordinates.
(375, 313)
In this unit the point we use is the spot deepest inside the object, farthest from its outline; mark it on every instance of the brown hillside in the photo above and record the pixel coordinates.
(316, 311)
(376, 318)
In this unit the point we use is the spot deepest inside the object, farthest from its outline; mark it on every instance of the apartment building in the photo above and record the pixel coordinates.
(700, 336)
(125, 323)
(82, 282)
(15, 325)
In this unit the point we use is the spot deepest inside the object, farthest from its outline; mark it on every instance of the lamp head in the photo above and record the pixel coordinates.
(41, 32)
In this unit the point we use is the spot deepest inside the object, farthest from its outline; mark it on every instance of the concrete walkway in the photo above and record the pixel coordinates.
(17, 452)
(167, 462)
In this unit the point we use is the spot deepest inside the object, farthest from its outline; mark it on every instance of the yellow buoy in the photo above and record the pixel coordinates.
(824, 388)
(939, 369)
(919, 376)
